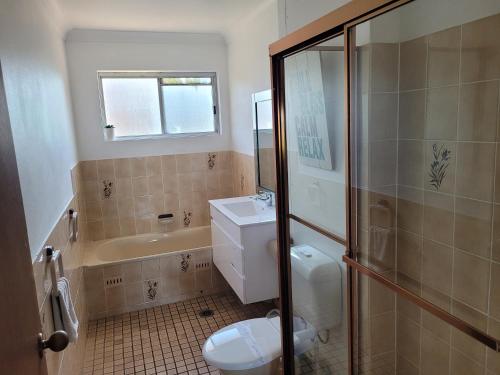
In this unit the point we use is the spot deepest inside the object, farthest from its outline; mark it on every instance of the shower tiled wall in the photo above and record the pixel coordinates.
(430, 159)
(70, 360)
(122, 197)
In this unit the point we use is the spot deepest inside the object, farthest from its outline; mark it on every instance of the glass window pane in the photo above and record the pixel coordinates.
(186, 81)
(188, 109)
(132, 105)
(265, 115)
(314, 92)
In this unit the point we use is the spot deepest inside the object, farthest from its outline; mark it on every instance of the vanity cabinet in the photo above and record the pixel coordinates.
(240, 252)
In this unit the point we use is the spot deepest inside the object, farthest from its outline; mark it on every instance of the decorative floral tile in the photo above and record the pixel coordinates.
(439, 165)
(108, 188)
(151, 289)
(185, 262)
(211, 160)
(187, 218)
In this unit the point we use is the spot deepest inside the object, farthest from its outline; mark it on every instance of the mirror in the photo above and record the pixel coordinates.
(265, 176)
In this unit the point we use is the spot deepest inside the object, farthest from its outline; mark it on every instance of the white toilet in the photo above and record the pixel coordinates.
(253, 347)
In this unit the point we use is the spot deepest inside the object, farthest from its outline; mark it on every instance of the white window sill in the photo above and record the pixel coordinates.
(161, 136)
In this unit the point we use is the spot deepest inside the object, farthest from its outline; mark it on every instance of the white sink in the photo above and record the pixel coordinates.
(245, 210)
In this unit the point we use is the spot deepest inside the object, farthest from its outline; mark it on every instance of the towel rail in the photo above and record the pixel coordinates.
(59, 339)
(54, 256)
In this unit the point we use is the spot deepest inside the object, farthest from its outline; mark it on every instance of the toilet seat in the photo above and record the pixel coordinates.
(244, 345)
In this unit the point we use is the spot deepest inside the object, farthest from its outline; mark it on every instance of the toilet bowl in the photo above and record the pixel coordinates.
(253, 347)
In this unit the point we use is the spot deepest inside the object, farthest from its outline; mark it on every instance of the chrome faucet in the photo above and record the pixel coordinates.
(266, 197)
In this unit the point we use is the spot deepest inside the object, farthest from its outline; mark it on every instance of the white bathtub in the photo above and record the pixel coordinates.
(147, 245)
(136, 272)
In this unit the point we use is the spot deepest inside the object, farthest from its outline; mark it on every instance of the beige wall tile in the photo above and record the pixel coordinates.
(409, 254)
(470, 280)
(413, 62)
(383, 156)
(475, 170)
(495, 291)
(153, 166)
(127, 226)
(138, 167)
(410, 209)
(105, 169)
(89, 170)
(442, 113)
(493, 358)
(93, 210)
(496, 234)
(481, 49)
(438, 217)
(140, 186)
(115, 298)
(124, 188)
(109, 209)
(382, 333)
(435, 355)
(478, 117)
(95, 230)
(111, 228)
(143, 207)
(462, 365)
(125, 208)
(122, 168)
(383, 116)
(408, 340)
(411, 163)
(134, 294)
(444, 57)
(473, 226)
(384, 67)
(437, 266)
(411, 114)
(464, 343)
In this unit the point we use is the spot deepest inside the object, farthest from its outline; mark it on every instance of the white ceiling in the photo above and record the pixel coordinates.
(207, 16)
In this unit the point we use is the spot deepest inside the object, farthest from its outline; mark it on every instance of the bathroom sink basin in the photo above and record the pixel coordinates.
(244, 209)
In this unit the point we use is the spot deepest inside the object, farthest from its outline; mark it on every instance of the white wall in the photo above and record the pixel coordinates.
(34, 68)
(249, 69)
(91, 50)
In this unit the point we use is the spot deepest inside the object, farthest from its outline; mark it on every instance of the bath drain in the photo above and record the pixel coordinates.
(206, 312)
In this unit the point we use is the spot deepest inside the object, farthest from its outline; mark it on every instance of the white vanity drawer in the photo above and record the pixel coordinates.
(225, 250)
(229, 228)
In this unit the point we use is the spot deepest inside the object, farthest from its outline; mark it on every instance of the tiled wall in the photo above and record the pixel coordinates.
(432, 165)
(70, 360)
(159, 280)
(122, 197)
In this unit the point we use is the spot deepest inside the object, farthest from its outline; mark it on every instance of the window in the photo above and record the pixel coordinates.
(154, 104)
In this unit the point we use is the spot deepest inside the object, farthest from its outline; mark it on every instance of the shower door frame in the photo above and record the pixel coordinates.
(339, 22)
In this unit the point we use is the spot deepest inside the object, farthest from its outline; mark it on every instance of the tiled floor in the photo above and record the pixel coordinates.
(162, 340)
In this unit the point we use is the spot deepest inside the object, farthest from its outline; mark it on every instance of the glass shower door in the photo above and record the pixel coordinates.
(425, 132)
(315, 122)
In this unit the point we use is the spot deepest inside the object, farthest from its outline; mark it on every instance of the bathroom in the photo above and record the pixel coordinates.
(323, 199)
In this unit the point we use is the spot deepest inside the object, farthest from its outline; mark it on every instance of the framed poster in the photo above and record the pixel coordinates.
(305, 106)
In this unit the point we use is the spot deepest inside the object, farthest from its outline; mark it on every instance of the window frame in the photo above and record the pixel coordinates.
(159, 76)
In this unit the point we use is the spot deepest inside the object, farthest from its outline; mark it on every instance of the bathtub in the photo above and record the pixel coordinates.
(136, 272)
(147, 245)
